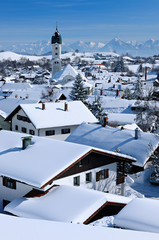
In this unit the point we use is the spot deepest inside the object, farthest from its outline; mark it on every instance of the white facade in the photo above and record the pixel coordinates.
(105, 185)
(28, 127)
(9, 194)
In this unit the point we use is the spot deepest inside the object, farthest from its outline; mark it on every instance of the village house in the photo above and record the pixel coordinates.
(30, 166)
(135, 143)
(68, 204)
(50, 119)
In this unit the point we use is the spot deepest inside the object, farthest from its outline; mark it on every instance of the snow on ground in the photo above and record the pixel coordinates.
(142, 184)
(104, 222)
(16, 57)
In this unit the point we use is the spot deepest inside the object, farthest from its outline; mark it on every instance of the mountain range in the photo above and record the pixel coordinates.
(147, 48)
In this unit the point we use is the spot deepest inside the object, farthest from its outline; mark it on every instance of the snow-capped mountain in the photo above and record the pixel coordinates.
(147, 48)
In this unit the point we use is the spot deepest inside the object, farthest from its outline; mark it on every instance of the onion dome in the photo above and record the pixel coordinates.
(56, 38)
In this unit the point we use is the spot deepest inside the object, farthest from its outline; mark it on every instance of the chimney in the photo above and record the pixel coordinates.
(105, 121)
(43, 106)
(117, 92)
(136, 133)
(66, 107)
(101, 92)
(26, 141)
(145, 73)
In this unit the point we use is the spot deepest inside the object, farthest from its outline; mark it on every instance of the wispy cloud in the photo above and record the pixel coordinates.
(64, 4)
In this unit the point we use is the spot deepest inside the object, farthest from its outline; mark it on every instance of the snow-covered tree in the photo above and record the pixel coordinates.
(128, 94)
(78, 91)
(48, 94)
(119, 66)
(96, 108)
(147, 116)
(138, 92)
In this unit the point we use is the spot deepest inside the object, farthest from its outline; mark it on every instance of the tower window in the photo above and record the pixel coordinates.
(56, 47)
(56, 53)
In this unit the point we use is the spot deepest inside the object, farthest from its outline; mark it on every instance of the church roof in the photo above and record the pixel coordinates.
(56, 38)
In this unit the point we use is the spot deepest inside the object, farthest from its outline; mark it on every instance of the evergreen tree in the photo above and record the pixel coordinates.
(96, 108)
(138, 92)
(140, 69)
(78, 91)
(119, 66)
(128, 94)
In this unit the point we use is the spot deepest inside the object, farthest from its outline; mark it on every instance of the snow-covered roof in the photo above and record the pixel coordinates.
(139, 214)
(115, 139)
(68, 70)
(22, 228)
(39, 162)
(64, 204)
(121, 118)
(7, 105)
(132, 126)
(54, 114)
(9, 87)
(43, 160)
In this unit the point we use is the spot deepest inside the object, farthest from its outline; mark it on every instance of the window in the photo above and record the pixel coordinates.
(88, 177)
(76, 181)
(5, 203)
(32, 132)
(19, 117)
(23, 118)
(56, 47)
(16, 127)
(56, 53)
(24, 130)
(50, 132)
(103, 174)
(65, 130)
(8, 182)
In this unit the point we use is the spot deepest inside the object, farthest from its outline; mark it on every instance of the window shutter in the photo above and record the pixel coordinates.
(120, 180)
(14, 184)
(97, 176)
(106, 173)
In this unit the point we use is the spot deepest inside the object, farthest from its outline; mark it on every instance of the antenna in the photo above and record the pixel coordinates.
(56, 27)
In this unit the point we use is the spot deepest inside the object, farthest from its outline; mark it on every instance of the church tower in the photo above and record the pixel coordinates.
(56, 42)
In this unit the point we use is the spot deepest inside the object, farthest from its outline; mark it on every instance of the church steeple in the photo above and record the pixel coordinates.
(56, 38)
(56, 42)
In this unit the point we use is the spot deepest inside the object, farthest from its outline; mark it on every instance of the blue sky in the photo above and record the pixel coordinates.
(95, 20)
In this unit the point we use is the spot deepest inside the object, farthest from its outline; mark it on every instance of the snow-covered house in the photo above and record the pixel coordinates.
(65, 75)
(8, 88)
(139, 215)
(48, 119)
(22, 228)
(139, 145)
(68, 204)
(3, 124)
(33, 165)
(7, 105)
